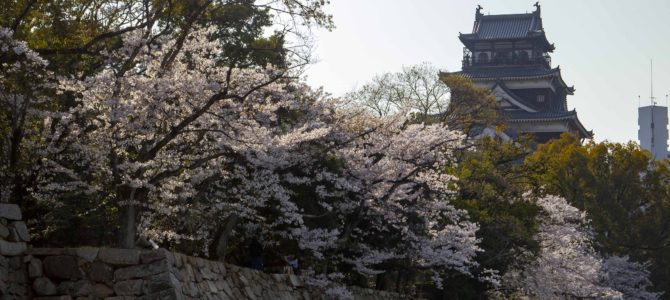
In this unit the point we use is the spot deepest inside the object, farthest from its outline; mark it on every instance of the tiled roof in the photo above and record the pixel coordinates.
(571, 116)
(508, 72)
(541, 115)
(507, 26)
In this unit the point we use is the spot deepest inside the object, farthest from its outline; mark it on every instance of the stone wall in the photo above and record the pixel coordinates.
(121, 274)
(115, 274)
(13, 244)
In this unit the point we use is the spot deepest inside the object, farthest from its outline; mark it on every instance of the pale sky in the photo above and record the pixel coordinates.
(603, 47)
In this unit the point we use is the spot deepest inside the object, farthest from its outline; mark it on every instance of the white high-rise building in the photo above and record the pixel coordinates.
(653, 131)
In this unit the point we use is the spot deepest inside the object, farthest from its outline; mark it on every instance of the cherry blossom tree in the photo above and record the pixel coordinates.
(25, 89)
(568, 266)
(183, 144)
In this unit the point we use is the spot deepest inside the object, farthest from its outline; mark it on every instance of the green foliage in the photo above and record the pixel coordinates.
(624, 192)
(470, 107)
(491, 185)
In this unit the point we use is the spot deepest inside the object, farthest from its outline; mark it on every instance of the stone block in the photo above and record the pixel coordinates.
(296, 281)
(100, 290)
(10, 211)
(44, 287)
(222, 269)
(51, 251)
(190, 273)
(242, 279)
(178, 260)
(3, 288)
(62, 267)
(87, 253)
(161, 282)
(13, 235)
(226, 288)
(158, 254)
(162, 295)
(75, 288)
(17, 290)
(212, 287)
(100, 272)
(119, 257)
(12, 248)
(4, 261)
(128, 287)
(4, 231)
(22, 230)
(15, 262)
(141, 271)
(207, 273)
(35, 268)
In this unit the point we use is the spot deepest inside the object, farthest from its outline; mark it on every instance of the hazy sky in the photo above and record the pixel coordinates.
(602, 46)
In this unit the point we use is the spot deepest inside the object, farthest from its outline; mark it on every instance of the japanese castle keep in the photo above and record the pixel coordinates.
(509, 54)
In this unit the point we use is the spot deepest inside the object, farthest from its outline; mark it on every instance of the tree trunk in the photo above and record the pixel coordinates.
(129, 222)
(222, 244)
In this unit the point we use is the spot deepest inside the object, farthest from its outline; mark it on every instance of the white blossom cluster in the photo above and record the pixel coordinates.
(568, 267)
(190, 143)
(26, 111)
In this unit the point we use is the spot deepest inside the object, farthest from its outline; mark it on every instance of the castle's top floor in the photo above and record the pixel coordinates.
(510, 39)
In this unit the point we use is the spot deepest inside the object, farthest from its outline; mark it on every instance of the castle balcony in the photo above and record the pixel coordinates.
(511, 58)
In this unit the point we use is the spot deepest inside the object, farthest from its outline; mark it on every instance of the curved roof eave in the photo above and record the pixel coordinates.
(571, 117)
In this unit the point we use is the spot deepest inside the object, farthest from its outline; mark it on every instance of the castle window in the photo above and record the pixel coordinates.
(483, 58)
(523, 56)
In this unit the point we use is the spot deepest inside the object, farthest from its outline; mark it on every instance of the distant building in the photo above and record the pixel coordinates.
(508, 54)
(653, 131)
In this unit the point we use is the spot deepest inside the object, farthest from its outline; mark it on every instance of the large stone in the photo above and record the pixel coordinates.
(295, 280)
(35, 268)
(162, 295)
(74, 288)
(87, 253)
(101, 290)
(51, 251)
(12, 248)
(4, 231)
(17, 290)
(62, 267)
(158, 254)
(119, 257)
(212, 286)
(63, 297)
(161, 282)
(100, 272)
(128, 287)
(141, 271)
(44, 286)
(22, 230)
(227, 289)
(10, 211)
(222, 269)
(207, 273)
(13, 235)
(18, 276)
(15, 262)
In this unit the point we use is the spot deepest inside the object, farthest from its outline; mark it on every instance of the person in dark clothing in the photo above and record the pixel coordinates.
(256, 255)
(292, 263)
